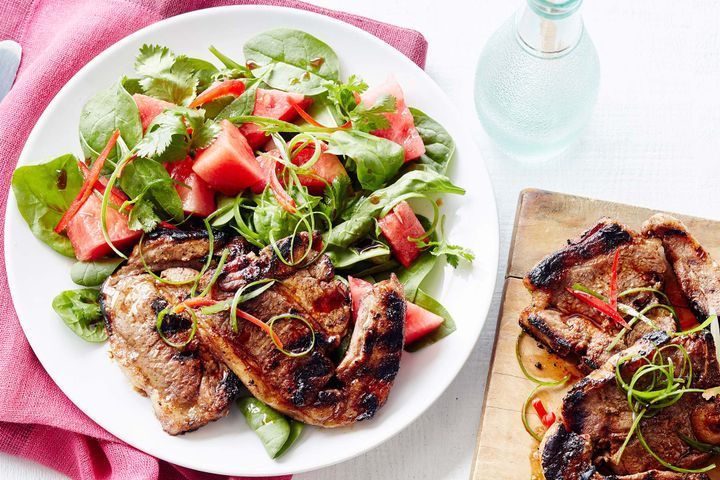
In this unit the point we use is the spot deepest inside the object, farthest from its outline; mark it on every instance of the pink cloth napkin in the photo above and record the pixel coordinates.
(37, 421)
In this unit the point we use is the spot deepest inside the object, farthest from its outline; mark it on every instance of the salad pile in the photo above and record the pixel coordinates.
(267, 147)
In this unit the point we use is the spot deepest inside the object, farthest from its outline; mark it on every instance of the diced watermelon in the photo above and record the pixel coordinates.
(327, 167)
(199, 199)
(86, 236)
(150, 108)
(398, 227)
(358, 289)
(272, 104)
(402, 126)
(228, 164)
(419, 322)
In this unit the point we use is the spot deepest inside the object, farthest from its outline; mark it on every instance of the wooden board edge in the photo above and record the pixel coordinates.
(487, 382)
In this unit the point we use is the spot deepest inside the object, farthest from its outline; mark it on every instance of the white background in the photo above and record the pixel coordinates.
(654, 141)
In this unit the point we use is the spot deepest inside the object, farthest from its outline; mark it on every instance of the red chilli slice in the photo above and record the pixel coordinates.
(285, 200)
(118, 197)
(547, 418)
(264, 326)
(222, 89)
(194, 302)
(613, 281)
(308, 118)
(598, 305)
(88, 185)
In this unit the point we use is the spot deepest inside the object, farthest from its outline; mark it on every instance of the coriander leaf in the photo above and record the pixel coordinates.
(370, 119)
(92, 274)
(109, 110)
(143, 216)
(168, 138)
(376, 159)
(439, 145)
(452, 253)
(336, 196)
(342, 96)
(427, 302)
(293, 60)
(80, 310)
(43, 194)
(361, 218)
(270, 219)
(165, 76)
(203, 71)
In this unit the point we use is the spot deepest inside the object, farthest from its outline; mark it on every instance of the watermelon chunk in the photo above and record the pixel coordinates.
(272, 104)
(398, 227)
(402, 126)
(327, 168)
(228, 164)
(418, 321)
(199, 198)
(86, 236)
(150, 108)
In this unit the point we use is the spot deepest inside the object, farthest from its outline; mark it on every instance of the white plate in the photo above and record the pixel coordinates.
(98, 387)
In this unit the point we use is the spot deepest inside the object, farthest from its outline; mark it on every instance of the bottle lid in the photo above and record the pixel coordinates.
(554, 9)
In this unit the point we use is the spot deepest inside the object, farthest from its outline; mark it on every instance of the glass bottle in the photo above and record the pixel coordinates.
(537, 80)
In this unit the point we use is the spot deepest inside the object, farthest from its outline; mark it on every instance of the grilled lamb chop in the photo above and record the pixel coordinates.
(309, 388)
(697, 273)
(574, 330)
(188, 388)
(596, 420)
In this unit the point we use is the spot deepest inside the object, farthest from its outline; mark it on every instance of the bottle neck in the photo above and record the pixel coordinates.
(549, 28)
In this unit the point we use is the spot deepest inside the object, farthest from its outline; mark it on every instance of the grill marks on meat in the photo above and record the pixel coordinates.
(310, 388)
(574, 330)
(188, 388)
(697, 273)
(596, 420)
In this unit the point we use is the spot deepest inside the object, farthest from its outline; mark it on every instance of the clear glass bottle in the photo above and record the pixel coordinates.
(537, 80)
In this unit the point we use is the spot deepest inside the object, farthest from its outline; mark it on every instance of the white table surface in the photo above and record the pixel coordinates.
(654, 141)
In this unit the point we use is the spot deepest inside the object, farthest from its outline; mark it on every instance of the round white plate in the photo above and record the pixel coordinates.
(97, 386)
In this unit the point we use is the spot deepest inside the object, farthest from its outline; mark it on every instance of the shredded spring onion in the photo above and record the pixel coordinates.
(159, 323)
(280, 346)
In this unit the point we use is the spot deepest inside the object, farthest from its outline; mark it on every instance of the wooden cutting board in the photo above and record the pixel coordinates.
(543, 223)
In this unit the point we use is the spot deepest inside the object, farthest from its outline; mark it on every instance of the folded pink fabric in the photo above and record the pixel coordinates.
(58, 37)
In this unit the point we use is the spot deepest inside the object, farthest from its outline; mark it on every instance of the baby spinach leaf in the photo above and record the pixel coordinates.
(165, 76)
(361, 218)
(242, 105)
(92, 274)
(376, 159)
(413, 276)
(227, 61)
(109, 110)
(271, 219)
(427, 302)
(276, 432)
(203, 71)
(151, 189)
(439, 145)
(344, 258)
(43, 193)
(293, 60)
(80, 310)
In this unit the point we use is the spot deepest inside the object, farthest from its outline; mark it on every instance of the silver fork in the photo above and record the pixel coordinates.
(10, 53)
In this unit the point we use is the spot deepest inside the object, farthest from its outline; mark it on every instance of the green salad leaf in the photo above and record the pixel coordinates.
(271, 219)
(166, 76)
(413, 276)
(43, 193)
(80, 310)
(376, 159)
(427, 302)
(92, 274)
(242, 105)
(361, 218)
(168, 139)
(292, 60)
(276, 432)
(152, 193)
(439, 145)
(344, 258)
(109, 110)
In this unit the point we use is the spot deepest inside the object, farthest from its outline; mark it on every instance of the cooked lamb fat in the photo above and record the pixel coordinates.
(310, 388)
(188, 387)
(596, 419)
(571, 328)
(697, 273)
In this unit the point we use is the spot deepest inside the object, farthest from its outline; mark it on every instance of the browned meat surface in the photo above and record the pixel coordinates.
(569, 327)
(596, 419)
(568, 456)
(311, 388)
(188, 388)
(697, 273)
